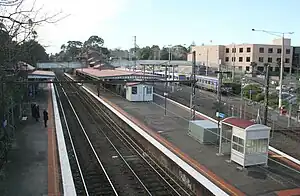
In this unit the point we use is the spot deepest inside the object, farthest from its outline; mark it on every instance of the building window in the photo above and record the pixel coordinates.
(238, 144)
(149, 90)
(278, 50)
(248, 49)
(227, 50)
(240, 59)
(233, 50)
(247, 59)
(288, 51)
(248, 67)
(226, 59)
(270, 50)
(261, 50)
(278, 60)
(287, 60)
(134, 90)
(233, 59)
(261, 59)
(270, 60)
(241, 50)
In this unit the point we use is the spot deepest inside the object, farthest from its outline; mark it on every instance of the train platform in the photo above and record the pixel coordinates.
(173, 129)
(205, 103)
(34, 162)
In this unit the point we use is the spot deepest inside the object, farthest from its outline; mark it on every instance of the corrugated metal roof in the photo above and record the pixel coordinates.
(132, 83)
(107, 72)
(42, 72)
(238, 122)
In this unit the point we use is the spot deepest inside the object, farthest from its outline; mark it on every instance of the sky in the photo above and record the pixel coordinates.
(165, 22)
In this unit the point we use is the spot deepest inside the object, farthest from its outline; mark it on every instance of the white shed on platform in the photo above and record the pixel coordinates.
(249, 141)
(139, 92)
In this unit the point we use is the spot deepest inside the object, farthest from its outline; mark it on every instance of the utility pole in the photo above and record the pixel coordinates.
(193, 85)
(219, 100)
(166, 85)
(267, 81)
(206, 67)
(281, 72)
(134, 42)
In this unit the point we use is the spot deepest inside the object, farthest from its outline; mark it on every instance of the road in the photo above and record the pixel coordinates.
(233, 106)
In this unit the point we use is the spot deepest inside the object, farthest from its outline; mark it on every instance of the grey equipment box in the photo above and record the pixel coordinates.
(204, 131)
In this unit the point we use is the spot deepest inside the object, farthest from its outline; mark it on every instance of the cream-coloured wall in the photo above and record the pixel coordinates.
(216, 52)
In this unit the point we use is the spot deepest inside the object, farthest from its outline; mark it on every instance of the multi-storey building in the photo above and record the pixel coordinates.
(240, 56)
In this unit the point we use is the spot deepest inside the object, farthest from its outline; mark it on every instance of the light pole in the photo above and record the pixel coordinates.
(281, 34)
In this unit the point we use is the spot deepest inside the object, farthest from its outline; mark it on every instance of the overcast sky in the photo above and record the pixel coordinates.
(165, 22)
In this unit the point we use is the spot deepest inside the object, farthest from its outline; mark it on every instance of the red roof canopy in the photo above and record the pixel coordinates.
(238, 122)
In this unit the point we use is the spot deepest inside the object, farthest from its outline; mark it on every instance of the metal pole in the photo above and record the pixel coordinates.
(267, 81)
(206, 67)
(193, 85)
(290, 114)
(166, 84)
(281, 72)
(219, 107)
(241, 105)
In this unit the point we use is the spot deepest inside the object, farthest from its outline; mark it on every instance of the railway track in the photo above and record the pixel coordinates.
(113, 164)
(290, 132)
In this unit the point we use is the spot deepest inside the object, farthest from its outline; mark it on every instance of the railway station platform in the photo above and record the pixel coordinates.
(34, 162)
(172, 133)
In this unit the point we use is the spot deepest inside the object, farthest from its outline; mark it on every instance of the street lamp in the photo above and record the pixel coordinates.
(280, 34)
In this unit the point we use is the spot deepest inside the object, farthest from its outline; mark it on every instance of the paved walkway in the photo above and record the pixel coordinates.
(32, 167)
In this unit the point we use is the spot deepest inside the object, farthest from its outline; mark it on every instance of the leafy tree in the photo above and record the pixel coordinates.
(73, 48)
(253, 66)
(94, 42)
(253, 88)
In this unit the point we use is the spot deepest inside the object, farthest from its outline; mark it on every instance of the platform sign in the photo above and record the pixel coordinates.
(220, 115)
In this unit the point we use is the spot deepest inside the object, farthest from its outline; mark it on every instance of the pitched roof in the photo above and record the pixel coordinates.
(238, 122)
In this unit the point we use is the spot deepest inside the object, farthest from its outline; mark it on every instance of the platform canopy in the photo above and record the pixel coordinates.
(247, 125)
(40, 74)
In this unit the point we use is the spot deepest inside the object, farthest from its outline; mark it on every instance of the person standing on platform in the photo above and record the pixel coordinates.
(45, 113)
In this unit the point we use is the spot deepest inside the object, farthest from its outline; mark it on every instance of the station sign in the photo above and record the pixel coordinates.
(220, 115)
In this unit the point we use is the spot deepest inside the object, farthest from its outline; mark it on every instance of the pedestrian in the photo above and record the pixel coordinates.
(45, 113)
(33, 110)
(37, 110)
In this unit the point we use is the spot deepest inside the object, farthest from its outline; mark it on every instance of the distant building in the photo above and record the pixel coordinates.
(240, 56)
(296, 58)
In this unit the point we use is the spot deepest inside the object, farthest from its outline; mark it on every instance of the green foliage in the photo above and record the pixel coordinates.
(254, 88)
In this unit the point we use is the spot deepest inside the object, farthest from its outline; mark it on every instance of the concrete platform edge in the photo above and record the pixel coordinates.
(67, 178)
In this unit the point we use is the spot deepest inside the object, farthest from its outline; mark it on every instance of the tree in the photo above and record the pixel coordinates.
(94, 42)
(73, 48)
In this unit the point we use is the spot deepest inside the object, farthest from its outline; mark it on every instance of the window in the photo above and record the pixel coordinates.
(278, 60)
(287, 60)
(288, 51)
(241, 50)
(240, 59)
(248, 67)
(248, 49)
(270, 60)
(233, 50)
(257, 146)
(247, 59)
(149, 89)
(134, 90)
(261, 59)
(226, 59)
(233, 59)
(238, 144)
(261, 50)
(270, 50)
(278, 50)
(227, 50)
